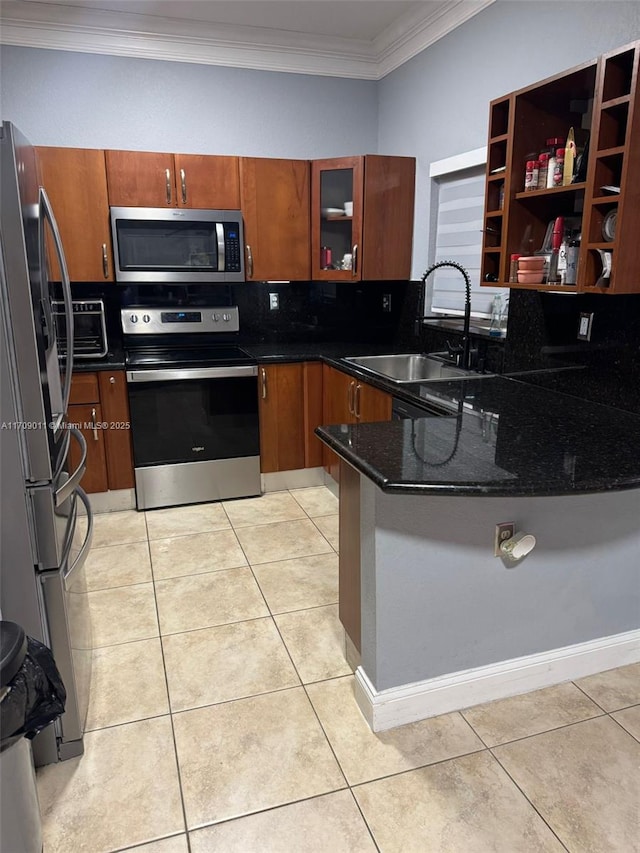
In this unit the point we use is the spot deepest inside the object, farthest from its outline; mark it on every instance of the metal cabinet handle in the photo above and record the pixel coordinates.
(167, 177)
(183, 186)
(94, 428)
(356, 401)
(350, 397)
(105, 261)
(263, 376)
(249, 260)
(354, 260)
(112, 380)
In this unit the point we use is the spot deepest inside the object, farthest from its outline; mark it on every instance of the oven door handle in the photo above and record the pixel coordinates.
(179, 374)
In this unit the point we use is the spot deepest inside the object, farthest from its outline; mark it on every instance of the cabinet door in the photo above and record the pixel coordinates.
(140, 179)
(371, 404)
(338, 390)
(86, 419)
(312, 375)
(275, 205)
(76, 183)
(349, 560)
(115, 410)
(334, 183)
(207, 182)
(282, 424)
(387, 238)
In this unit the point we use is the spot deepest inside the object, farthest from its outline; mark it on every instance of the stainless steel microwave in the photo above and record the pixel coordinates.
(172, 245)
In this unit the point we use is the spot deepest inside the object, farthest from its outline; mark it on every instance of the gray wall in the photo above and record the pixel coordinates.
(432, 107)
(435, 600)
(90, 101)
(436, 105)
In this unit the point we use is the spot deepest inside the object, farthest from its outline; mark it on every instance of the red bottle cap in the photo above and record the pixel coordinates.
(530, 165)
(515, 257)
(543, 158)
(560, 152)
(555, 140)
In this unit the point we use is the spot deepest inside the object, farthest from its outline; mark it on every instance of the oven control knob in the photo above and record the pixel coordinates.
(226, 317)
(216, 318)
(146, 318)
(134, 318)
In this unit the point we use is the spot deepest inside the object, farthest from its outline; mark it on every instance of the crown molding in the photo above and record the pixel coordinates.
(415, 31)
(72, 28)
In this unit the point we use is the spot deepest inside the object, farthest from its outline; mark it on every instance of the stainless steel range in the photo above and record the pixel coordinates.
(193, 398)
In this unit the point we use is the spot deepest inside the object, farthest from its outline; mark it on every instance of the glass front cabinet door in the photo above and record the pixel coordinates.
(336, 218)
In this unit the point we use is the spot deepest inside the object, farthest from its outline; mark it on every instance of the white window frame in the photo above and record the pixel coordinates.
(438, 170)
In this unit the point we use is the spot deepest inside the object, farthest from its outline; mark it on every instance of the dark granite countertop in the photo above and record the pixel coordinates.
(113, 360)
(503, 437)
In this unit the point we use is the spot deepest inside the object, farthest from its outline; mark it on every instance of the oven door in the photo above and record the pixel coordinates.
(196, 434)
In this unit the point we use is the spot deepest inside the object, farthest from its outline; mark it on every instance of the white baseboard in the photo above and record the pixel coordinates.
(386, 709)
(300, 478)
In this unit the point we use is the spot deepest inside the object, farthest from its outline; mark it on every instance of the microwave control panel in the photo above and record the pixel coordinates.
(232, 247)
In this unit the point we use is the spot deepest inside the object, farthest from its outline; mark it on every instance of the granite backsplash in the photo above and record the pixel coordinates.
(542, 329)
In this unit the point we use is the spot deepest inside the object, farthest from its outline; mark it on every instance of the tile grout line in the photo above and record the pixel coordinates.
(537, 734)
(618, 723)
(532, 804)
(166, 683)
(575, 684)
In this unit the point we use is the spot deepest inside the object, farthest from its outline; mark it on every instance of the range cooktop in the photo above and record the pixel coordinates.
(186, 356)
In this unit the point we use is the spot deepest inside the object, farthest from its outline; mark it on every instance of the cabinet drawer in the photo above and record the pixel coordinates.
(84, 389)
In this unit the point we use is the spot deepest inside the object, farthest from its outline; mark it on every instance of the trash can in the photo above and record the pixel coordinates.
(31, 697)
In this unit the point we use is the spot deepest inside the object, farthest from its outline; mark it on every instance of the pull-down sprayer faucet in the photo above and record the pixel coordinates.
(466, 341)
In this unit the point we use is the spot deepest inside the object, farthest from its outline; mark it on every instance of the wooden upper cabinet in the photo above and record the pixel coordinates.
(275, 206)
(148, 179)
(207, 182)
(374, 241)
(140, 179)
(76, 184)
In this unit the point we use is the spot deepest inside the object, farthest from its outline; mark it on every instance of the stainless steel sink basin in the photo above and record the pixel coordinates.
(413, 367)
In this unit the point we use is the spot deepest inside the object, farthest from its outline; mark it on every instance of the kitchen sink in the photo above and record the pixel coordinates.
(412, 367)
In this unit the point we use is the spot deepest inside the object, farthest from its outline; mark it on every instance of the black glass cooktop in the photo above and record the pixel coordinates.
(186, 356)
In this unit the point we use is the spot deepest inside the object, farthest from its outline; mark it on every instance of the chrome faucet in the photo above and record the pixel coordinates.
(465, 358)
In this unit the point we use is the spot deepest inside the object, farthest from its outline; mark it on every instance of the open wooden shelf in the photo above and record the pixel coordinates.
(550, 191)
(519, 124)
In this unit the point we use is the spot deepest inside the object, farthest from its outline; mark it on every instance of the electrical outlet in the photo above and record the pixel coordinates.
(505, 530)
(386, 302)
(274, 301)
(584, 327)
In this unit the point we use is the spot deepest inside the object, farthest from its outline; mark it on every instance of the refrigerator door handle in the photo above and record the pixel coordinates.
(72, 483)
(86, 545)
(47, 215)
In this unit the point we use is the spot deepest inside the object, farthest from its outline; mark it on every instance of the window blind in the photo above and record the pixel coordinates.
(458, 204)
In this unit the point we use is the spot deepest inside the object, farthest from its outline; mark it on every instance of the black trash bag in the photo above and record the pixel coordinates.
(36, 696)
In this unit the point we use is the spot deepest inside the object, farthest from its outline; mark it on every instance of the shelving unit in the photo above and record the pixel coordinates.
(615, 162)
(601, 101)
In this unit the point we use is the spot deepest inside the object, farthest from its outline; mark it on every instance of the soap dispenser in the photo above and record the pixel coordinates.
(495, 327)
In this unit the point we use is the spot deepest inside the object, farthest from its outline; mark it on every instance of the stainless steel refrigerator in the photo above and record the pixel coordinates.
(46, 520)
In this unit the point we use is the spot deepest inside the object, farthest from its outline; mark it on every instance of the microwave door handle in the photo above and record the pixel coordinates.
(82, 555)
(220, 239)
(72, 483)
(46, 214)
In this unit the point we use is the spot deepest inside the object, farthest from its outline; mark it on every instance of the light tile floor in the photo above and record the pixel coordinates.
(222, 715)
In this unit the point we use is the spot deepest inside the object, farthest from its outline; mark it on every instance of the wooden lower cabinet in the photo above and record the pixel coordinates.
(87, 419)
(347, 400)
(290, 409)
(349, 557)
(100, 409)
(115, 409)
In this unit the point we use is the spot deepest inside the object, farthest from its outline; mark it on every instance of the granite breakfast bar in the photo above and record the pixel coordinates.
(441, 622)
